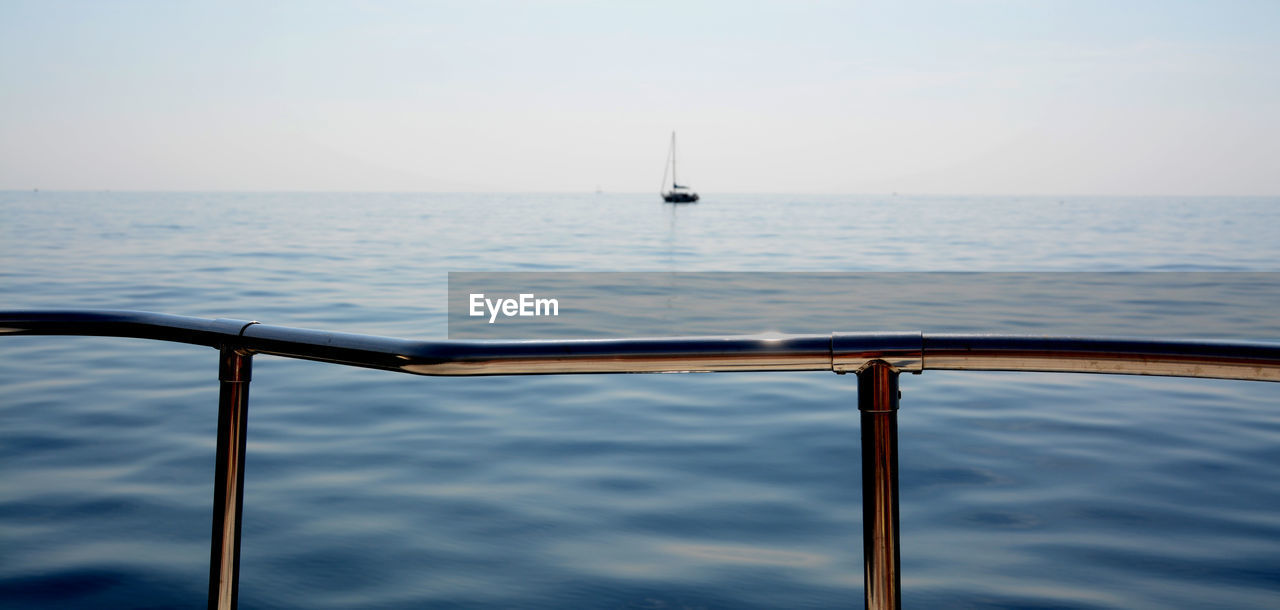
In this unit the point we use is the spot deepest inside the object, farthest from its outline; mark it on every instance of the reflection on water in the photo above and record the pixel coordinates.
(744, 555)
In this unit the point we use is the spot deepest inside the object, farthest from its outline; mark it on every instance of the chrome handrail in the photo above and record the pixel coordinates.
(877, 359)
(839, 352)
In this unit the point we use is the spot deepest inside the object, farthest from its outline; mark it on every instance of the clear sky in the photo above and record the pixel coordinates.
(964, 97)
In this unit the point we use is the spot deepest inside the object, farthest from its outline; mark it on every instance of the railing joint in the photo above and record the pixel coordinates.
(900, 351)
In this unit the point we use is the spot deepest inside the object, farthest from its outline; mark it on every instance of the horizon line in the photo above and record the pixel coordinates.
(645, 193)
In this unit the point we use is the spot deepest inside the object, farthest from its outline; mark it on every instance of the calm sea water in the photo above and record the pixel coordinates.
(375, 490)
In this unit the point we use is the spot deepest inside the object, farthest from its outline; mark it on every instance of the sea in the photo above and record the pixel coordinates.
(372, 489)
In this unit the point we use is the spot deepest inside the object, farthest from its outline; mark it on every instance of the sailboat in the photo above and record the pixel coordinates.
(677, 193)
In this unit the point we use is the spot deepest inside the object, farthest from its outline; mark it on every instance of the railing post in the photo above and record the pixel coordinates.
(878, 405)
(234, 372)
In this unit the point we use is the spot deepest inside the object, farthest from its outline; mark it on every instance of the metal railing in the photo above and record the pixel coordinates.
(876, 358)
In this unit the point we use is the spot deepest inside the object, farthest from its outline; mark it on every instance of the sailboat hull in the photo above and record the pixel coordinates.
(680, 197)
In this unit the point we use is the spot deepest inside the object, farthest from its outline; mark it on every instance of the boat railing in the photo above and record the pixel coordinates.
(876, 358)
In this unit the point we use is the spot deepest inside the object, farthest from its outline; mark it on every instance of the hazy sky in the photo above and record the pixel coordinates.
(963, 97)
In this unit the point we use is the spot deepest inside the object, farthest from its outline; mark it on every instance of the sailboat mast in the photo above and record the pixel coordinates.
(674, 181)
